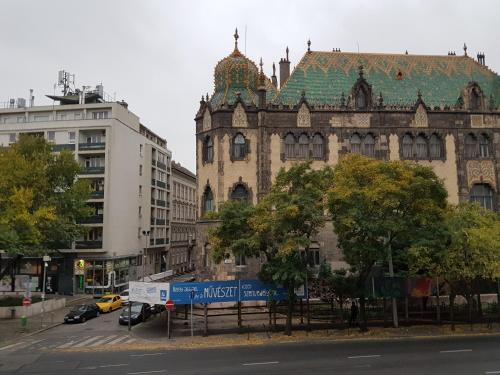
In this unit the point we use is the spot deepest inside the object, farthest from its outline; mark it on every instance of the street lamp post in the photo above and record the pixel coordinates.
(146, 234)
(46, 259)
(391, 275)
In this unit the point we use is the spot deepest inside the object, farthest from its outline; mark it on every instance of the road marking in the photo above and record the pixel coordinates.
(87, 368)
(455, 351)
(129, 341)
(116, 365)
(117, 340)
(364, 356)
(144, 355)
(12, 345)
(492, 372)
(88, 341)
(100, 342)
(68, 344)
(261, 363)
(145, 372)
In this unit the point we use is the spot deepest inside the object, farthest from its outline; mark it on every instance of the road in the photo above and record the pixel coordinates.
(443, 356)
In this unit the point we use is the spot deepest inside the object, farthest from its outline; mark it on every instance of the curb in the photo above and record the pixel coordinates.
(43, 329)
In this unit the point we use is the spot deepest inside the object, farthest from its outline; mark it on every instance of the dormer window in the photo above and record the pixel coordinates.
(361, 100)
(475, 100)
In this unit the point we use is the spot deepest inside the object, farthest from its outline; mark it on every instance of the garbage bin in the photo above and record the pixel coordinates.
(13, 313)
(24, 321)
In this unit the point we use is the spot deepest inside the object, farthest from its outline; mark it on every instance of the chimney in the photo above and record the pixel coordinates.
(274, 79)
(284, 69)
(31, 99)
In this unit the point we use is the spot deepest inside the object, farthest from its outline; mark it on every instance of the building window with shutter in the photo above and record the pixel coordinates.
(239, 147)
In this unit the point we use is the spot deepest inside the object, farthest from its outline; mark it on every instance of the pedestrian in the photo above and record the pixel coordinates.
(353, 321)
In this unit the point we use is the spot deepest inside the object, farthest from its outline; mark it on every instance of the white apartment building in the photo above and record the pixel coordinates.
(183, 222)
(128, 168)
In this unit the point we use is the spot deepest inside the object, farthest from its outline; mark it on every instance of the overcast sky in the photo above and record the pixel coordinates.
(159, 56)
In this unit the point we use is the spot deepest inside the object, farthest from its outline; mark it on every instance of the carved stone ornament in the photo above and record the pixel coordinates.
(420, 120)
(207, 120)
(240, 117)
(476, 121)
(481, 171)
(303, 117)
(356, 120)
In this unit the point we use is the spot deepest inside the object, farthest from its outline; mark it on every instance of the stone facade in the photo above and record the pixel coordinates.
(278, 133)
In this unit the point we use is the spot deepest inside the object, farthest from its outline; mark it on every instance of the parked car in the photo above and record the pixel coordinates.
(139, 313)
(155, 309)
(125, 296)
(109, 303)
(81, 313)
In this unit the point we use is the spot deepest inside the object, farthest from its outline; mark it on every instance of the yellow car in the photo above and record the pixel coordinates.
(109, 303)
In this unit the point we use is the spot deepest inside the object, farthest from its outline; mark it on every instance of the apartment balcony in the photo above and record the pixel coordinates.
(62, 147)
(93, 219)
(161, 184)
(161, 203)
(91, 146)
(153, 162)
(151, 241)
(160, 241)
(92, 170)
(168, 186)
(161, 165)
(97, 194)
(85, 245)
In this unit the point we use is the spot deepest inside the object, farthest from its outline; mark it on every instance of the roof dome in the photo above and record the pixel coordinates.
(235, 74)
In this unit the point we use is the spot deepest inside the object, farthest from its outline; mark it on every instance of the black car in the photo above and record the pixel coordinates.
(139, 313)
(81, 313)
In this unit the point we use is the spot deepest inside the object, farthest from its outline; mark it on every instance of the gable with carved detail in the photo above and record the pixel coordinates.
(239, 117)
(304, 117)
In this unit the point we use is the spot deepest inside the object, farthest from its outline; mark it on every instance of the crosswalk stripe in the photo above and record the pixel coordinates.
(70, 343)
(129, 341)
(115, 341)
(100, 342)
(88, 341)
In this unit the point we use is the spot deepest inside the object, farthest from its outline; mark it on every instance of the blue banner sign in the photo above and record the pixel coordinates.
(225, 291)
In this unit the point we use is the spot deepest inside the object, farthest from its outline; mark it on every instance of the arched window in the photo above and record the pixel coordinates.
(240, 193)
(356, 143)
(239, 146)
(435, 147)
(208, 200)
(484, 146)
(369, 146)
(470, 146)
(318, 146)
(208, 150)
(475, 100)
(289, 146)
(360, 99)
(483, 194)
(407, 146)
(421, 147)
(303, 147)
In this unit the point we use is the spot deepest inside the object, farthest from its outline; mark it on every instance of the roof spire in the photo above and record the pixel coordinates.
(360, 70)
(308, 45)
(287, 53)
(274, 69)
(419, 95)
(236, 36)
(465, 49)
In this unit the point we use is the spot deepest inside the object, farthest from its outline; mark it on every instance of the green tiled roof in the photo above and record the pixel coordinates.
(325, 75)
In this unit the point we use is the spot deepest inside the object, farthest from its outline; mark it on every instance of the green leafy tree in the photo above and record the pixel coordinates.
(41, 199)
(381, 207)
(469, 251)
(279, 227)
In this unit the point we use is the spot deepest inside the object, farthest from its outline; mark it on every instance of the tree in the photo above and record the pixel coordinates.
(279, 227)
(469, 252)
(41, 199)
(381, 207)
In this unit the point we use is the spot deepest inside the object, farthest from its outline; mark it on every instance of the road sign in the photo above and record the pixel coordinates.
(26, 301)
(169, 305)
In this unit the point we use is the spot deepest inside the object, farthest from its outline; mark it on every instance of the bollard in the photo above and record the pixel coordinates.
(13, 313)
(24, 322)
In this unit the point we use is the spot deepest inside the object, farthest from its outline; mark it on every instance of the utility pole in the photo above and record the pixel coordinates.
(391, 274)
(146, 234)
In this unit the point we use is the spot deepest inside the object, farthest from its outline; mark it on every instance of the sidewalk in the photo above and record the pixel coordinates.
(11, 328)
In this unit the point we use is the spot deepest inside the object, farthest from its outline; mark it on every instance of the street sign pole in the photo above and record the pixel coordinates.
(129, 315)
(168, 324)
(192, 296)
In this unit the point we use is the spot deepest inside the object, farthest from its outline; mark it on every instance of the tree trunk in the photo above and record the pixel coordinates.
(288, 326)
(470, 301)
(479, 306)
(452, 311)
(13, 277)
(362, 314)
(341, 306)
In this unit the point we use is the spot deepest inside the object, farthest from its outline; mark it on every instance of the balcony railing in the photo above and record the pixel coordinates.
(93, 219)
(160, 221)
(153, 182)
(91, 146)
(161, 184)
(152, 241)
(92, 170)
(97, 194)
(58, 148)
(88, 244)
(160, 241)
(161, 203)
(161, 165)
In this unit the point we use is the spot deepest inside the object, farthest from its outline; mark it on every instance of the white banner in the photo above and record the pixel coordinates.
(152, 293)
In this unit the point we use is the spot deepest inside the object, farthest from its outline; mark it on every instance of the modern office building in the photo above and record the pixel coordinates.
(183, 231)
(128, 168)
(440, 111)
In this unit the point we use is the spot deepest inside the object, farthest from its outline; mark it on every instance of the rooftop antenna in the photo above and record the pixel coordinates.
(65, 79)
(357, 43)
(245, 40)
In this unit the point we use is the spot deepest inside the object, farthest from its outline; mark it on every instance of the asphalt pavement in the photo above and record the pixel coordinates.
(446, 356)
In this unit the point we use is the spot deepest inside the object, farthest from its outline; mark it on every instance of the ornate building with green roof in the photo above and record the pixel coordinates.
(440, 111)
